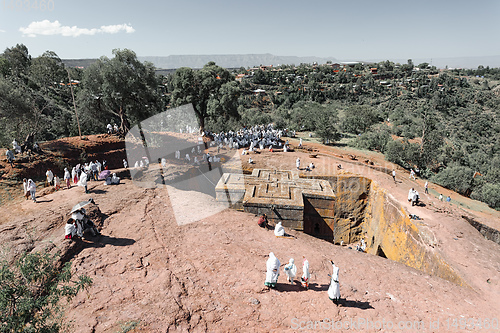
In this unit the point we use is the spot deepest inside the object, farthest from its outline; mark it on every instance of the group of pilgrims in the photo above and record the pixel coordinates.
(273, 271)
(273, 267)
(80, 175)
(256, 137)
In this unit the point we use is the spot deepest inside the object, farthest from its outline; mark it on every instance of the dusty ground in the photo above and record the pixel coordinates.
(151, 274)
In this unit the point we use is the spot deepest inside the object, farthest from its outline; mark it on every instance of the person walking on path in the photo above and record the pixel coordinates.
(394, 175)
(412, 174)
(10, 157)
(426, 186)
(67, 177)
(50, 177)
(273, 271)
(83, 181)
(304, 280)
(25, 187)
(32, 189)
(290, 271)
(334, 289)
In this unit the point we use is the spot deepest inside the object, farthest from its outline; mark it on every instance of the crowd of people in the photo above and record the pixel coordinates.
(80, 175)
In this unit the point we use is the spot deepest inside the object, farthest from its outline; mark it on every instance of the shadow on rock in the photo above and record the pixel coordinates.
(356, 304)
(103, 240)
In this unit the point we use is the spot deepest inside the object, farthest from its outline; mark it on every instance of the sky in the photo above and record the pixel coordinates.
(345, 30)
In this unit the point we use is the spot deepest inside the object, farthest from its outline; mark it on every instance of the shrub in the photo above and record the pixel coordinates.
(376, 140)
(30, 292)
(490, 194)
(456, 178)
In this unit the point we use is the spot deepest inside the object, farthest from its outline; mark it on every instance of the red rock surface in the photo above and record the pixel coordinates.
(208, 276)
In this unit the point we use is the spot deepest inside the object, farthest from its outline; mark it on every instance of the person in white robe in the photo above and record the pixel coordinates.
(410, 194)
(290, 270)
(125, 164)
(273, 271)
(50, 176)
(67, 177)
(136, 165)
(32, 189)
(279, 230)
(297, 163)
(115, 180)
(26, 190)
(57, 183)
(334, 289)
(83, 181)
(70, 229)
(304, 280)
(141, 164)
(74, 175)
(363, 245)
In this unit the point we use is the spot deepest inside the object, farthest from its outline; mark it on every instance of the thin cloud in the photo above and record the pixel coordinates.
(47, 28)
(2, 31)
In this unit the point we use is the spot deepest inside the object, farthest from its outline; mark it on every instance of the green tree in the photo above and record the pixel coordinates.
(122, 88)
(30, 292)
(18, 59)
(457, 178)
(358, 118)
(199, 87)
(47, 70)
(325, 125)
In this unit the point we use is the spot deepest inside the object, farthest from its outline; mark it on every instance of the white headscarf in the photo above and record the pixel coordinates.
(334, 289)
(291, 269)
(31, 185)
(279, 230)
(305, 270)
(273, 268)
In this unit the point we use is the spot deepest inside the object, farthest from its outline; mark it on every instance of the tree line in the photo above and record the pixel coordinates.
(445, 123)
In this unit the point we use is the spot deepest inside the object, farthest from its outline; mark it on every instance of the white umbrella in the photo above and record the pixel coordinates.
(81, 204)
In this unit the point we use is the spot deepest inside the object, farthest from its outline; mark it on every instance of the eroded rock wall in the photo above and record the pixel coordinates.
(389, 232)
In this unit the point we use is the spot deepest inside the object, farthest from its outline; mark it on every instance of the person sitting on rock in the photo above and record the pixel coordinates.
(115, 180)
(83, 223)
(273, 271)
(263, 221)
(70, 230)
(279, 230)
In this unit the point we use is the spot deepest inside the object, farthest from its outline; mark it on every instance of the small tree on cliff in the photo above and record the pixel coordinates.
(30, 291)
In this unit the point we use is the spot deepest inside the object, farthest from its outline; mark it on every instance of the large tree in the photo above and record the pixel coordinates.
(199, 87)
(122, 88)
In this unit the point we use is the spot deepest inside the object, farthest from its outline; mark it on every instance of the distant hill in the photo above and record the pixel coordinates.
(452, 62)
(230, 60)
(223, 60)
(250, 60)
